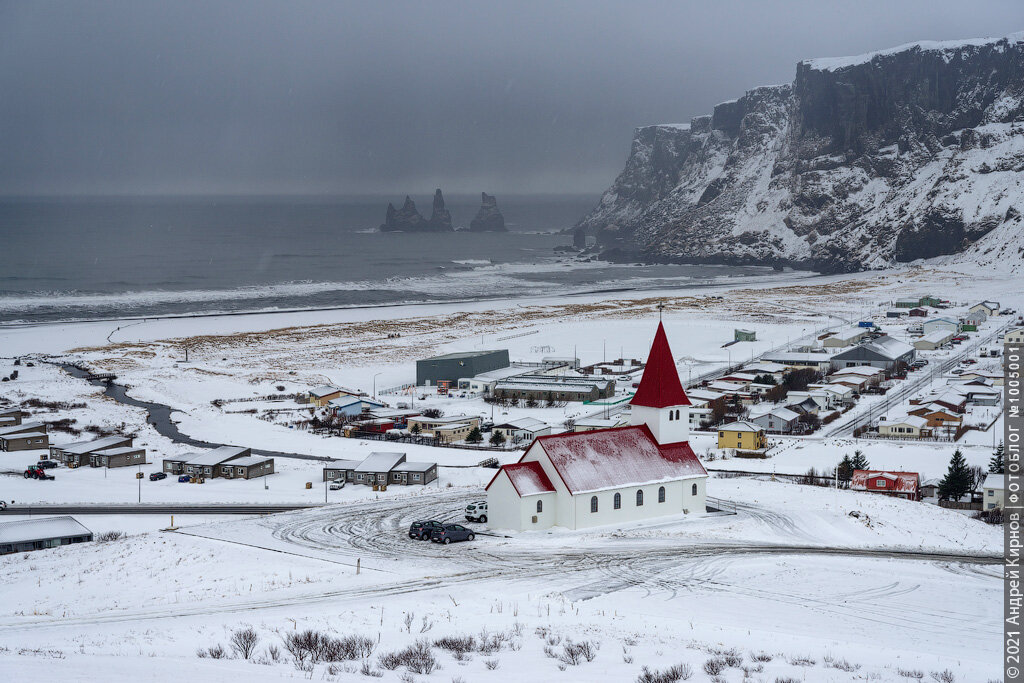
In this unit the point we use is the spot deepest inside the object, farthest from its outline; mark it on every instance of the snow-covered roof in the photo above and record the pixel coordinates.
(122, 450)
(937, 336)
(912, 420)
(660, 386)
(531, 424)
(890, 347)
(344, 401)
(217, 455)
(784, 414)
(83, 447)
(993, 481)
(740, 376)
(528, 478)
(850, 333)
(452, 419)
(901, 482)
(249, 461)
(763, 367)
(23, 427)
(40, 529)
(324, 390)
(797, 357)
(554, 385)
(860, 370)
(415, 466)
(741, 426)
(947, 47)
(623, 456)
(380, 462)
(343, 465)
(706, 395)
(25, 435)
(597, 422)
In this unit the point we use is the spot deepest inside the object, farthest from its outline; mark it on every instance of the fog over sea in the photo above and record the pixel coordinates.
(89, 258)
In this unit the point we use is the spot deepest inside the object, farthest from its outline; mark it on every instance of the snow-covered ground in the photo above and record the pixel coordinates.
(828, 584)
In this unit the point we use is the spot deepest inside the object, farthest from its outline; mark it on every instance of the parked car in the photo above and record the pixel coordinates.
(157, 476)
(450, 533)
(3, 504)
(47, 464)
(477, 512)
(421, 531)
(184, 479)
(337, 485)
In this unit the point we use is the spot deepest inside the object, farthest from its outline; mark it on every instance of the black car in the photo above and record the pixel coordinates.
(421, 531)
(47, 464)
(450, 533)
(157, 476)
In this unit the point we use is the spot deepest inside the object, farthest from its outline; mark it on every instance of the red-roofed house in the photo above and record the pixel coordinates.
(899, 484)
(609, 476)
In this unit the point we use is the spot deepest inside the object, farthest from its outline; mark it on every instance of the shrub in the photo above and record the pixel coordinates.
(760, 657)
(216, 652)
(417, 658)
(574, 653)
(491, 664)
(911, 673)
(802, 661)
(243, 642)
(461, 644)
(679, 672)
(714, 666)
(944, 676)
(108, 536)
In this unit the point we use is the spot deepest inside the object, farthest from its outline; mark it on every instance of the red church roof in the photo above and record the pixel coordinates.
(660, 386)
(622, 456)
(527, 478)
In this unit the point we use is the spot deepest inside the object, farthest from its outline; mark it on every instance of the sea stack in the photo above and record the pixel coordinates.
(488, 218)
(440, 218)
(406, 219)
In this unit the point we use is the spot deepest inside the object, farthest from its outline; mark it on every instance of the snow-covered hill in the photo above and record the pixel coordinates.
(910, 153)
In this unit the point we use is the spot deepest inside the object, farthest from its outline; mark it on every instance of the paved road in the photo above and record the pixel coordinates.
(153, 509)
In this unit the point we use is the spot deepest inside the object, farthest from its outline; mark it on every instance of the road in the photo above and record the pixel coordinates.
(152, 509)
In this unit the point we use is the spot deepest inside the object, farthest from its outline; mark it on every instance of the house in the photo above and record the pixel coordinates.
(918, 313)
(121, 456)
(454, 428)
(895, 314)
(905, 485)
(775, 370)
(10, 417)
(381, 469)
(884, 352)
(1012, 337)
(744, 436)
(989, 308)
(992, 492)
(947, 324)
(907, 303)
(799, 359)
(937, 415)
(952, 398)
(845, 337)
(445, 371)
(842, 395)
(907, 427)
(523, 428)
(41, 533)
(24, 436)
(589, 424)
(79, 452)
(776, 420)
(981, 395)
(929, 488)
(933, 340)
(554, 388)
(230, 462)
(609, 476)
(353, 406)
(323, 395)
(971, 321)
(400, 417)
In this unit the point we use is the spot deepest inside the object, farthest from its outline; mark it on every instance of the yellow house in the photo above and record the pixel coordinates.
(321, 396)
(909, 427)
(741, 435)
(1015, 336)
(453, 428)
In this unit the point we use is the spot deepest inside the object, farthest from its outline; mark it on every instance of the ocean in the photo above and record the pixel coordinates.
(105, 258)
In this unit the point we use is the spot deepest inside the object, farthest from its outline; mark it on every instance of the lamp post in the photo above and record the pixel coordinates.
(375, 385)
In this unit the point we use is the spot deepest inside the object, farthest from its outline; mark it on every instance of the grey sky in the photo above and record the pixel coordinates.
(395, 97)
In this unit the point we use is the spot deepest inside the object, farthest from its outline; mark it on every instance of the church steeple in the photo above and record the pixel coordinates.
(660, 401)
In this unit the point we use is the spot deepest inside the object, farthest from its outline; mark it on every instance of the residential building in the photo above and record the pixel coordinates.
(450, 428)
(744, 436)
(544, 388)
(933, 340)
(799, 359)
(905, 485)
(989, 308)
(321, 396)
(122, 456)
(41, 533)
(230, 462)
(609, 476)
(79, 453)
(775, 421)
(382, 469)
(992, 492)
(589, 424)
(523, 428)
(884, 352)
(1014, 336)
(24, 436)
(845, 337)
(445, 371)
(917, 313)
(938, 416)
(947, 324)
(9, 417)
(906, 427)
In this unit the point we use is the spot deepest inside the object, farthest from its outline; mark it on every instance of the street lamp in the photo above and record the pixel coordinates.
(375, 384)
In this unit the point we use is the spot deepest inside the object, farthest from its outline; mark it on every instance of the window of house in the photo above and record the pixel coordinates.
(617, 501)
(415, 477)
(991, 493)
(639, 497)
(540, 506)
(593, 503)
(359, 477)
(693, 490)
(661, 494)
(880, 483)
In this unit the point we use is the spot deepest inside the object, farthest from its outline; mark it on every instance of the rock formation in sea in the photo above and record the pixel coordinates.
(488, 218)
(408, 219)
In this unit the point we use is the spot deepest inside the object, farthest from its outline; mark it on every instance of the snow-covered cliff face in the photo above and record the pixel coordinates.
(910, 153)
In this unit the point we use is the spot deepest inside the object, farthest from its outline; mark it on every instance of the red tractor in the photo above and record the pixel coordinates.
(36, 472)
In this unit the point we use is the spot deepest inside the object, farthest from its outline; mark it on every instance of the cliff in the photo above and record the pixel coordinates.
(862, 162)
(488, 218)
(409, 219)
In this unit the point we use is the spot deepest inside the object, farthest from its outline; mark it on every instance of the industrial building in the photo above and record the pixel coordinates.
(548, 388)
(449, 368)
(884, 352)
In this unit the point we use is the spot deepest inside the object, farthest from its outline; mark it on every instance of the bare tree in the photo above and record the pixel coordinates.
(244, 641)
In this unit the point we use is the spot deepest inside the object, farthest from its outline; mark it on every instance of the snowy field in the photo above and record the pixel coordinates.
(792, 583)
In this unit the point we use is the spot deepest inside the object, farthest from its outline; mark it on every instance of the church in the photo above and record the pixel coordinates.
(609, 476)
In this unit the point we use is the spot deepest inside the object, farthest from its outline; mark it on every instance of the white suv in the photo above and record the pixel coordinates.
(477, 512)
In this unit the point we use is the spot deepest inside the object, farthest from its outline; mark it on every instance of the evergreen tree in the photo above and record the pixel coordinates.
(416, 429)
(860, 461)
(958, 480)
(845, 470)
(996, 464)
(474, 436)
(497, 439)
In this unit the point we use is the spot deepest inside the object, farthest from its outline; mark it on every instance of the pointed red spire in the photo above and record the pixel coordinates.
(660, 386)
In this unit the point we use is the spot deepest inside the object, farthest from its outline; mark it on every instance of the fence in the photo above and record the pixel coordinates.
(425, 441)
(957, 505)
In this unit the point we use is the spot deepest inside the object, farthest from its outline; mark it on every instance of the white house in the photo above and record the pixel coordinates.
(947, 324)
(523, 428)
(845, 337)
(989, 308)
(992, 492)
(933, 340)
(609, 476)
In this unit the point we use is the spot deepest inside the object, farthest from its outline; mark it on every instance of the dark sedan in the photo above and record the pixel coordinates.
(157, 476)
(450, 533)
(421, 531)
